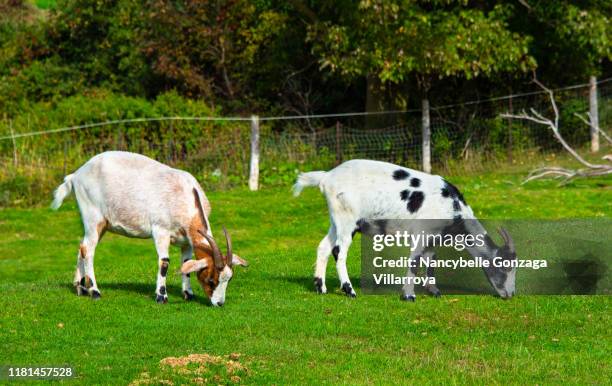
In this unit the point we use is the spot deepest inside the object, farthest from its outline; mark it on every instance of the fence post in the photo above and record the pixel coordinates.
(254, 169)
(14, 143)
(426, 136)
(338, 143)
(594, 114)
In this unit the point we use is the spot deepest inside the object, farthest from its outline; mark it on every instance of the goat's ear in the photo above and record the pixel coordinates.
(237, 260)
(193, 266)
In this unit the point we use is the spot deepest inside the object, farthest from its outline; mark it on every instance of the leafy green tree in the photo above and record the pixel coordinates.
(572, 40)
(101, 40)
(209, 49)
(397, 41)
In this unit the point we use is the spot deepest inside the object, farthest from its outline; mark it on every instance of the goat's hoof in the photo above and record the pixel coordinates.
(81, 291)
(408, 298)
(187, 295)
(319, 286)
(348, 290)
(161, 299)
(95, 295)
(436, 294)
(81, 288)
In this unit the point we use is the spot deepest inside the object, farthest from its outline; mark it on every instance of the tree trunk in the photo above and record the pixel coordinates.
(374, 101)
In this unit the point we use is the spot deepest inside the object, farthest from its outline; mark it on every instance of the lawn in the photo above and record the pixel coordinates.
(273, 328)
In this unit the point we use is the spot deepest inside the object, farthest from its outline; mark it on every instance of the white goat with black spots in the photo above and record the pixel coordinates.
(135, 196)
(365, 193)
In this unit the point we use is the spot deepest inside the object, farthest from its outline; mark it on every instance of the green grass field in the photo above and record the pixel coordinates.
(273, 324)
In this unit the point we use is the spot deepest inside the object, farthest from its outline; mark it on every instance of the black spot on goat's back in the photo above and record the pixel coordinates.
(415, 182)
(400, 174)
(450, 190)
(404, 194)
(415, 201)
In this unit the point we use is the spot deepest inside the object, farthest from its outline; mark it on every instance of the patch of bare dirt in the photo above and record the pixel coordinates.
(198, 369)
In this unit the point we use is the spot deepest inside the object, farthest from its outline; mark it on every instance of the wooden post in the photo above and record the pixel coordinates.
(593, 114)
(254, 169)
(338, 143)
(426, 136)
(14, 143)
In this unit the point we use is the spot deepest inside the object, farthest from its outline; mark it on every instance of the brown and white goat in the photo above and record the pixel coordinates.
(135, 196)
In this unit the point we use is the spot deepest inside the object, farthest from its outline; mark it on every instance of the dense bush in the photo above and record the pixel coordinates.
(216, 152)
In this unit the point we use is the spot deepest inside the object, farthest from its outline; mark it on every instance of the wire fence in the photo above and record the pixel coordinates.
(469, 136)
(465, 137)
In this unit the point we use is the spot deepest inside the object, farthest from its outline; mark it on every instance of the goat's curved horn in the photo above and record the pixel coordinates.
(217, 257)
(507, 239)
(228, 240)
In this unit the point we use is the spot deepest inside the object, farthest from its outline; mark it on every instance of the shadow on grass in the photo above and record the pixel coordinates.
(145, 289)
(307, 282)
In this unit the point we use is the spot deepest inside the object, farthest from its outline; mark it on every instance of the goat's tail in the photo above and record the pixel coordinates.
(62, 192)
(308, 179)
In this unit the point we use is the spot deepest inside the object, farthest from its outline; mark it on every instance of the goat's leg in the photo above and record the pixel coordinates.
(340, 252)
(432, 288)
(186, 253)
(87, 251)
(162, 245)
(408, 288)
(323, 252)
(79, 274)
(94, 226)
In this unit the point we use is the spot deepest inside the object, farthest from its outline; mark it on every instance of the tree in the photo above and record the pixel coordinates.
(397, 41)
(571, 39)
(210, 48)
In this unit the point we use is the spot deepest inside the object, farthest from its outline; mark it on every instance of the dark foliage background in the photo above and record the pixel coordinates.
(73, 62)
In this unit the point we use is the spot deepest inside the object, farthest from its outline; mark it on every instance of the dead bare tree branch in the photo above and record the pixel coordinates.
(589, 122)
(590, 169)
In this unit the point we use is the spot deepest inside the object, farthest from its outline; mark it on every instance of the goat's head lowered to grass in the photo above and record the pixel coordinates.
(214, 270)
(502, 275)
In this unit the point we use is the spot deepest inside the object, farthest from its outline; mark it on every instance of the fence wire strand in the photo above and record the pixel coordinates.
(468, 136)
